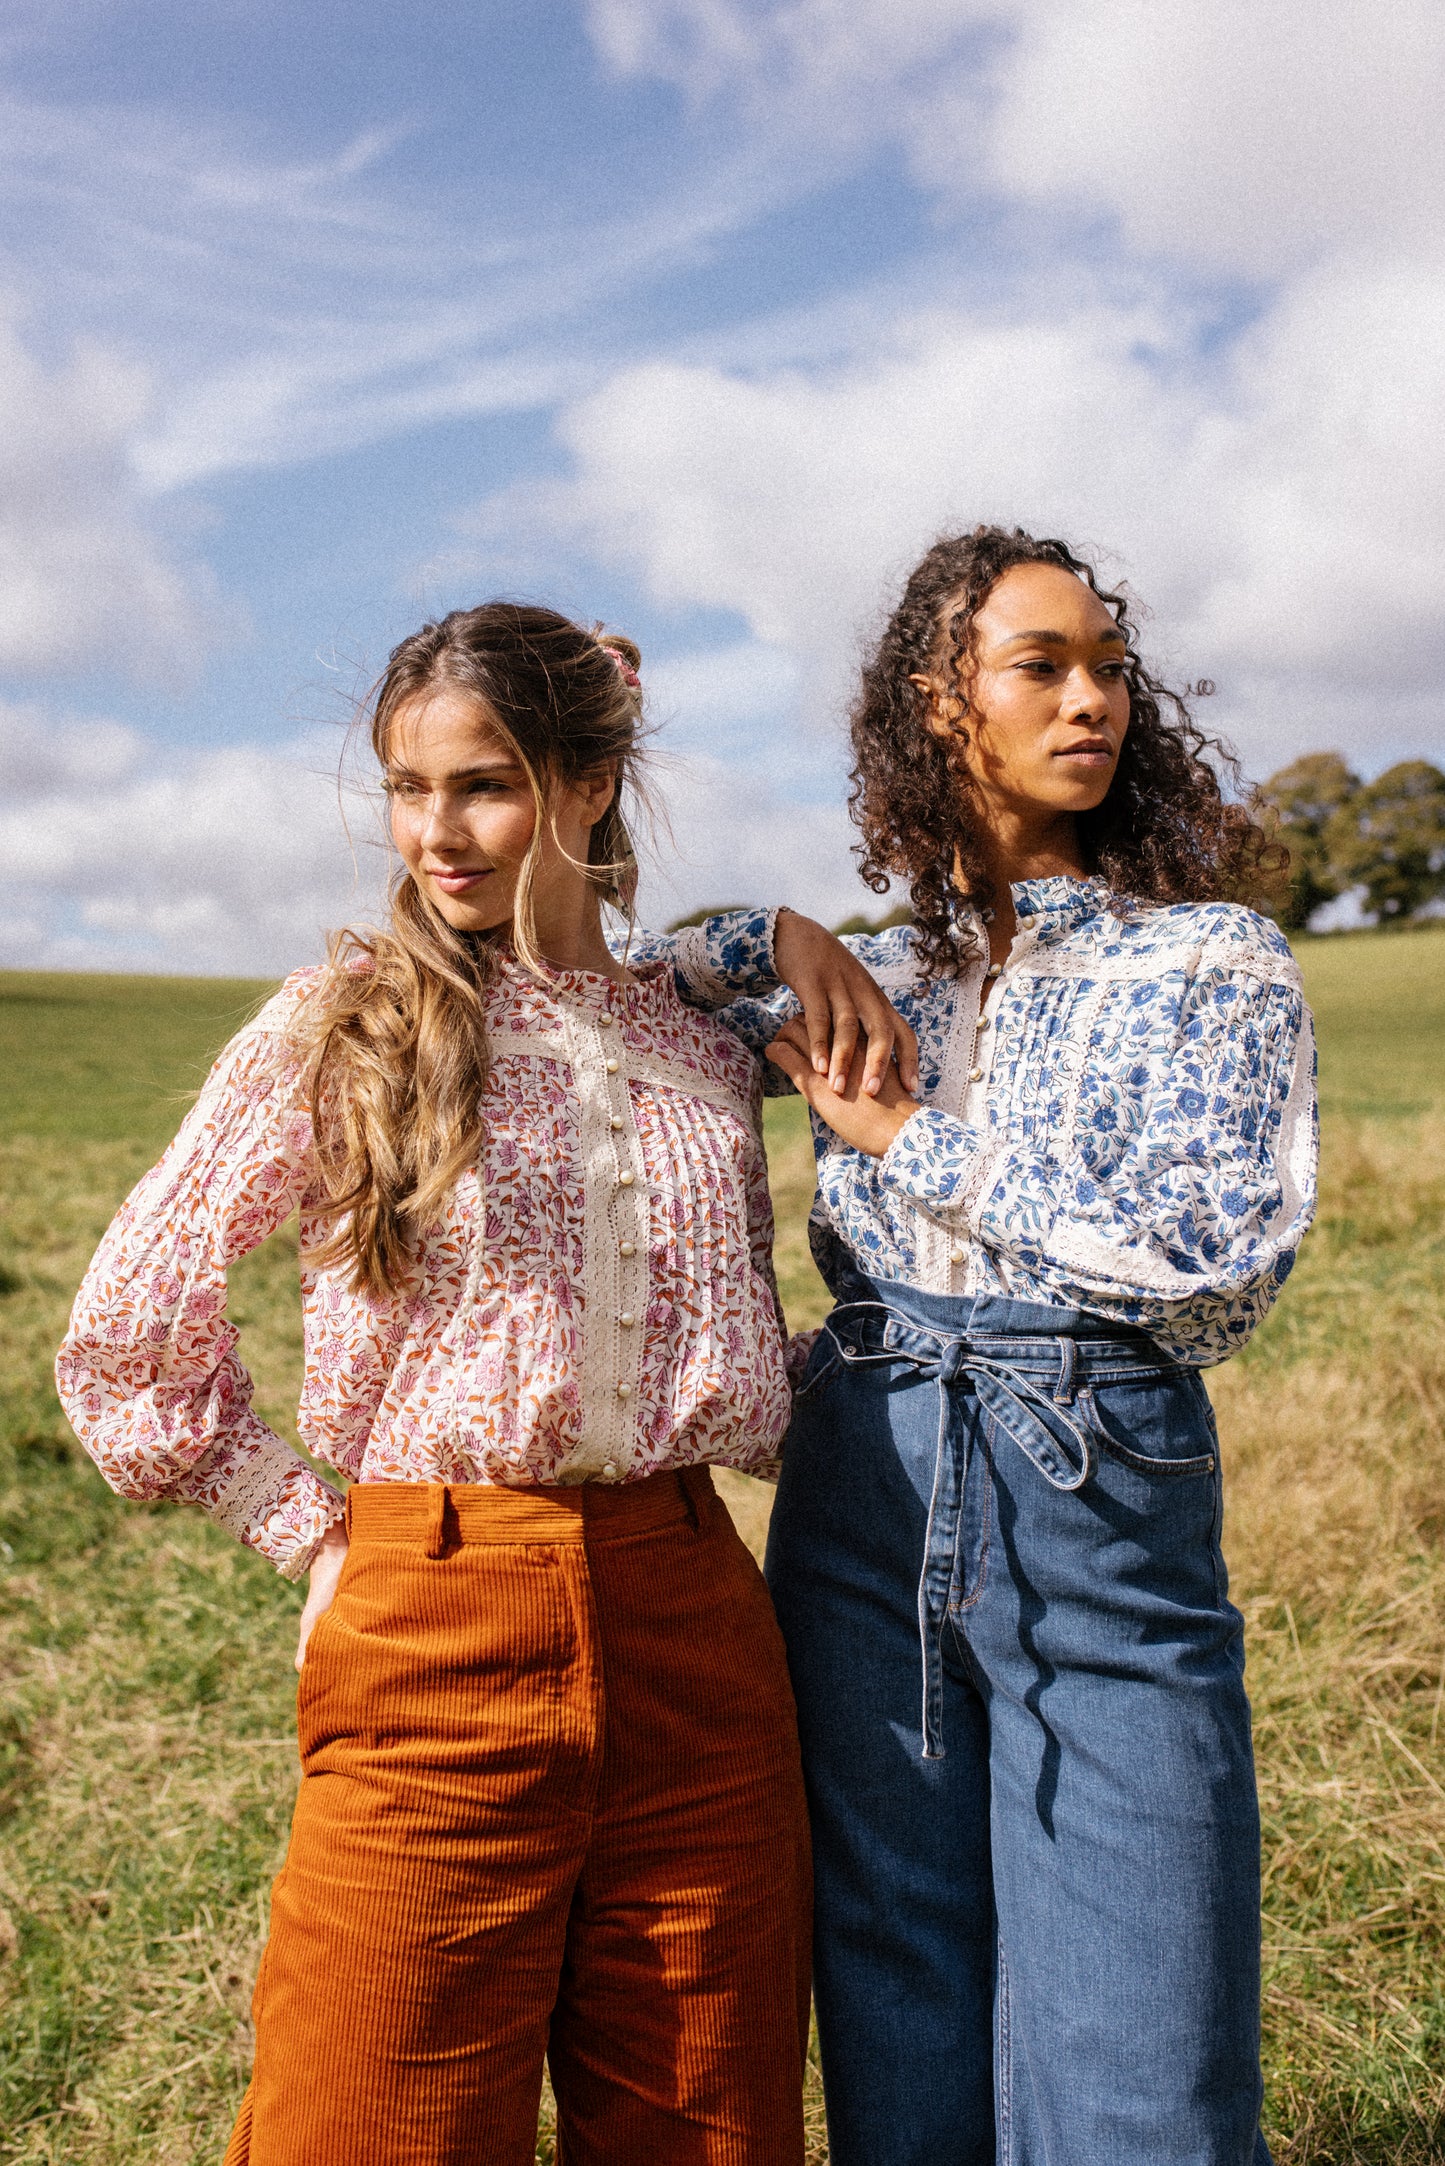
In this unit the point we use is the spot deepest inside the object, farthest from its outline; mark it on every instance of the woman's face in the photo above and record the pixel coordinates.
(463, 816)
(1048, 700)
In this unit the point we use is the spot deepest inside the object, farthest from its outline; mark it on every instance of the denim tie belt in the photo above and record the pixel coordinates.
(1040, 1402)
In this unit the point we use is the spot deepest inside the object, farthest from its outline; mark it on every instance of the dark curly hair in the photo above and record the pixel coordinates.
(1164, 832)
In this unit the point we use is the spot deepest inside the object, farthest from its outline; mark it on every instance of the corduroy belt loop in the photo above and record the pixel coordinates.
(438, 1496)
(697, 1482)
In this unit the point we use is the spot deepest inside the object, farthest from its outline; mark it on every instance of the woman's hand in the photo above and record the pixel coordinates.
(321, 1585)
(840, 999)
(868, 1123)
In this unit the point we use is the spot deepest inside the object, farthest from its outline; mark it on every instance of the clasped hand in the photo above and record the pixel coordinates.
(850, 1054)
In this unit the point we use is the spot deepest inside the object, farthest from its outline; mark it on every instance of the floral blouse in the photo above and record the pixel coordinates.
(597, 1302)
(1129, 1128)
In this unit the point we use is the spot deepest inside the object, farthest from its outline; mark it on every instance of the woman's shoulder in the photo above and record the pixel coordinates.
(1202, 937)
(887, 955)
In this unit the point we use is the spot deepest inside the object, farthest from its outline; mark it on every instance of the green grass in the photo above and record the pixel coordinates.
(147, 1761)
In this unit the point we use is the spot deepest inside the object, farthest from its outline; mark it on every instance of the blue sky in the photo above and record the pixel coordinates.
(700, 317)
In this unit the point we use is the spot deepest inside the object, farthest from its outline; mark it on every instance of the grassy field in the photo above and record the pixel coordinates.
(147, 1760)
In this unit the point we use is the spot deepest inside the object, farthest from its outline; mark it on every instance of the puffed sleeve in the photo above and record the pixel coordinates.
(148, 1372)
(724, 967)
(1189, 1184)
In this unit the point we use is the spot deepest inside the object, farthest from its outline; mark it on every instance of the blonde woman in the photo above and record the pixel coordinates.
(551, 1800)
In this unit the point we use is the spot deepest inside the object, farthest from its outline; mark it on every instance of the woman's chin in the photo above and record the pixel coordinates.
(470, 917)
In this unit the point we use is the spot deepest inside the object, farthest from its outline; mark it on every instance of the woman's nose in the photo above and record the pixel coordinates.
(437, 825)
(1085, 698)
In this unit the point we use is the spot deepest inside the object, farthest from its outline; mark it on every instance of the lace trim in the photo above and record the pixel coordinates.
(615, 1222)
(256, 1481)
(940, 1271)
(1298, 1163)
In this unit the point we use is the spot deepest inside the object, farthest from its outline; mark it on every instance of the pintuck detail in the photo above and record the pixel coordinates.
(1132, 1133)
(596, 1301)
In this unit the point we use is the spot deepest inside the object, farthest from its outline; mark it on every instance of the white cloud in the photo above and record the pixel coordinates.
(738, 841)
(83, 578)
(1246, 135)
(1283, 513)
(117, 854)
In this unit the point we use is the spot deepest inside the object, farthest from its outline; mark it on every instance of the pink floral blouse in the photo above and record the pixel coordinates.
(596, 1304)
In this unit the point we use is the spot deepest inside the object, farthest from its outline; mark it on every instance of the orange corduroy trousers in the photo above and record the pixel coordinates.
(551, 1804)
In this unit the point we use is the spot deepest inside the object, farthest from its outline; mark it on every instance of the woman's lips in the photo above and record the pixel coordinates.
(458, 882)
(1096, 755)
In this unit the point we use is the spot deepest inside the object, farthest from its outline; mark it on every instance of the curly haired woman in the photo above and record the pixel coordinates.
(995, 1549)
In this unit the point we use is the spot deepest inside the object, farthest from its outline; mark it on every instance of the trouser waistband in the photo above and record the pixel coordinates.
(444, 1515)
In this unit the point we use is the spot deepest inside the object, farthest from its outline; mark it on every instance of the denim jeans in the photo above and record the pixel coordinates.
(995, 1558)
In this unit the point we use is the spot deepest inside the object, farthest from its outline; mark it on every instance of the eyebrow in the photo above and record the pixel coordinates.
(1061, 639)
(457, 774)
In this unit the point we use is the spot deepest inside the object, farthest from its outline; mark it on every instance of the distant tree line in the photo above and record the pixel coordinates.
(1386, 838)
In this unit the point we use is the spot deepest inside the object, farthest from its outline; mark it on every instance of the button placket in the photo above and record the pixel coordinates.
(614, 1280)
(618, 1329)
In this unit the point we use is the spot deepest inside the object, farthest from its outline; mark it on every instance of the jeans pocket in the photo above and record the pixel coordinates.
(823, 1365)
(1158, 1424)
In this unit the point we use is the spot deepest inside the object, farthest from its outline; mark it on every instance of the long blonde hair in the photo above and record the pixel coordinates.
(393, 1037)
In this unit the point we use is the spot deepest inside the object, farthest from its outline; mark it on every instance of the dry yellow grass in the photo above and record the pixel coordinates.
(146, 1753)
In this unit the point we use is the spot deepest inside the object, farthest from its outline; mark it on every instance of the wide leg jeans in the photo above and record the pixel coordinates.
(995, 1558)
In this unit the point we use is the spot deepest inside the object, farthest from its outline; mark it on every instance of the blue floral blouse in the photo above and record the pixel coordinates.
(1144, 1144)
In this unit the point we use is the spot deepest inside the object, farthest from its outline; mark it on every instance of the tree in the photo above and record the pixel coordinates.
(1307, 798)
(901, 914)
(1389, 838)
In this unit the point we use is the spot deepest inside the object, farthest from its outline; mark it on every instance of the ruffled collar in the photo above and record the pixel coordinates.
(650, 989)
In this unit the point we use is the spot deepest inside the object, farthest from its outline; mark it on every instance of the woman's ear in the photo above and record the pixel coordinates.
(595, 792)
(943, 710)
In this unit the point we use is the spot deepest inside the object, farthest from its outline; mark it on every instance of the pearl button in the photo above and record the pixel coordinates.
(615, 1123)
(612, 1067)
(975, 1075)
(604, 1022)
(624, 1391)
(627, 1319)
(983, 1023)
(627, 1248)
(625, 1180)
(609, 1472)
(994, 970)
(957, 1255)
(1026, 921)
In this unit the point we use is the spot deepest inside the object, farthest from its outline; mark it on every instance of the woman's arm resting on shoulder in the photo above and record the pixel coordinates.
(148, 1373)
(753, 954)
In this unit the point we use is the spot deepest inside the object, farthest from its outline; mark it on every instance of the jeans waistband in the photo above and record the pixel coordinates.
(1031, 1369)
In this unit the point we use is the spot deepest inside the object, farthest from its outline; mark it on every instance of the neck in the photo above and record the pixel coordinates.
(1025, 843)
(569, 932)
